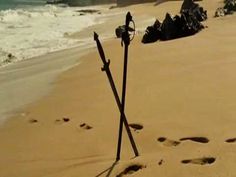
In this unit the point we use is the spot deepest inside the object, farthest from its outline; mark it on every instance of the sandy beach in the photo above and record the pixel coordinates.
(181, 91)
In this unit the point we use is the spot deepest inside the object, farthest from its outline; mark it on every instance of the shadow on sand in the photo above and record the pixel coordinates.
(108, 170)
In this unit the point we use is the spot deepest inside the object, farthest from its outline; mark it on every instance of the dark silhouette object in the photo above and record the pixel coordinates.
(194, 8)
(121, 29)
(112, 84)
(185, 24)
(168, 28)
(191, 25)
(180, 26)
(126, 40)
(9, 55)
(188, 5)
(153, 33)
(229, 8)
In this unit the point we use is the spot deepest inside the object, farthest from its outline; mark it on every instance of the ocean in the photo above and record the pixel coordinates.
(30, 28)
(13, 4)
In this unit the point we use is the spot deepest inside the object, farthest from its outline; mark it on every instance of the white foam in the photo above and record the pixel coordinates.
(33, 32)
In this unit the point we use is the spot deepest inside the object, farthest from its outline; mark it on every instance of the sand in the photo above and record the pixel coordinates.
(181, 91)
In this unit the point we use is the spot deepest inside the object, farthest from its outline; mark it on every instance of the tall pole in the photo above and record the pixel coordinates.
(126, 40)
(112, 84)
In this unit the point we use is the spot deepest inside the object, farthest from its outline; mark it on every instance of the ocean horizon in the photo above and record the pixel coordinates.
(14, 4)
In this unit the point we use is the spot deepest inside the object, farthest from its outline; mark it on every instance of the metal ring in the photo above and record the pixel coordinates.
(133, 31)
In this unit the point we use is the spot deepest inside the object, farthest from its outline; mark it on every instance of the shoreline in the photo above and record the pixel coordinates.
(33, 79)
(56, 64)
(36, 75)
(176, 89)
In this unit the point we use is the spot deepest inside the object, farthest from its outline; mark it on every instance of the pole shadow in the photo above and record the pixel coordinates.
(108, 170)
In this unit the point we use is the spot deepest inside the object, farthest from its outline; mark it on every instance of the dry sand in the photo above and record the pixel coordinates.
(178, 90)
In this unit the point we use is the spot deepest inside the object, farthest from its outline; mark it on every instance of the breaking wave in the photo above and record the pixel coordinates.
(30, 32)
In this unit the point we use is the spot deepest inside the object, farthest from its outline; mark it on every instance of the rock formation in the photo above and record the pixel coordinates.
(229, 8)
(194, 8)
(188, 23)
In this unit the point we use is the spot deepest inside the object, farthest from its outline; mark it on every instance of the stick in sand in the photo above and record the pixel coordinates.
(126, 40)
(111, 81)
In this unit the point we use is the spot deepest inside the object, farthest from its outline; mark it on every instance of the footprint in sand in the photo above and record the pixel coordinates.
(63, 120)
(131, 169)
(231, 140)
(85, 126)
(168, 142)
(200, 161)
(32, 121)
(196, 139)
(136, 127)
(161, 162)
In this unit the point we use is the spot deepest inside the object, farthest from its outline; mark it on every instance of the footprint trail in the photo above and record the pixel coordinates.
(200, 161)
(168, 142)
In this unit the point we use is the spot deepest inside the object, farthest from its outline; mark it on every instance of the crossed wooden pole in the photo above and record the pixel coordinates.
(120, 104)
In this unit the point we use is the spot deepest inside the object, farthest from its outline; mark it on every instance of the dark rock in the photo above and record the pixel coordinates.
(9, 55)
(194, 8)
(172, 28)
(220, 12)
(169, 29)
(153, 33)
(191, 25)
(188, 5)
(229, 8)
(185, 24)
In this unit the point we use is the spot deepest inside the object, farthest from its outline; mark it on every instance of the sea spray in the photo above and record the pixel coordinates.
(26, 33)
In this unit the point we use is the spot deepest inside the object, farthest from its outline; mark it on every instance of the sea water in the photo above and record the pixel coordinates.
(12, 4)
(30, 28)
